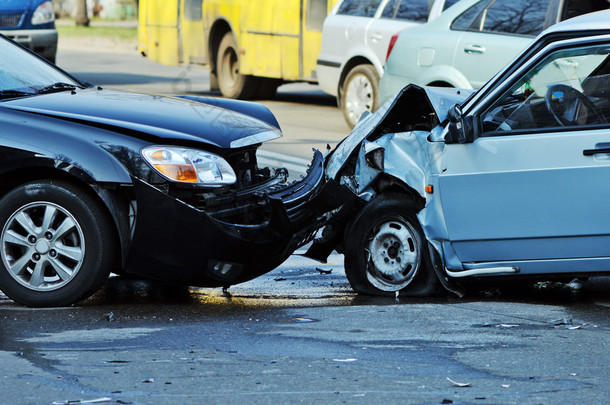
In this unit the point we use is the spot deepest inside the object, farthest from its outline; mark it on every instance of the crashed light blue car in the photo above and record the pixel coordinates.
(513, 180)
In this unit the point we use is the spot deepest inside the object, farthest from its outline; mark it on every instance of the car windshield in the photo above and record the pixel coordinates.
(23, 74)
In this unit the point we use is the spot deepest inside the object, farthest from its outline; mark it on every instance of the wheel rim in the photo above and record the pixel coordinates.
(229, 69)
(43, 246)
(359, 97)
(393, 255)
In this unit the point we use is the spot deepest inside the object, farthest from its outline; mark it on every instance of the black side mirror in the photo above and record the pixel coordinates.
(460, 127)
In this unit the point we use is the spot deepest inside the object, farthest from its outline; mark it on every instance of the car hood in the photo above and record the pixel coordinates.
(414, 109)
(15, 5)
(143, 115)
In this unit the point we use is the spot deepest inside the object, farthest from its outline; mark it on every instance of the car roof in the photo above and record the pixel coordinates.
(598, 21)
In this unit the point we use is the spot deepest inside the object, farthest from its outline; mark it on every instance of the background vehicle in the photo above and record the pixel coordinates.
(30, 23)
(355, 38)
(469, 43)
(508, 182)
(251, 47)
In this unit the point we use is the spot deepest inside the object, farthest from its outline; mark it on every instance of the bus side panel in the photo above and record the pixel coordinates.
(160, 36)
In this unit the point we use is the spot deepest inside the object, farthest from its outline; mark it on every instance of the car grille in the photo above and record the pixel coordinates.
(9, 20)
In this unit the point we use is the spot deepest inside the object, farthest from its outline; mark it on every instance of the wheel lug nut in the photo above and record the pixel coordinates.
(386, 260)
(398, 259)
(36, 256)
(48, 235)
(385, 245)
(52, 253)
(32, 239)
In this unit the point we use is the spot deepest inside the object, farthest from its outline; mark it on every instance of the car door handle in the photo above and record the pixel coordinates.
(591, 152)
(474, 49)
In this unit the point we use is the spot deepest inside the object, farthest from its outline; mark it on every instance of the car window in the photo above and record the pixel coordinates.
(449, 3)
(470, 20)
(412, 10)
(569, 88)
(518, 17)
(521, 17)
(359, 8)
(573, 8)
(193, 10)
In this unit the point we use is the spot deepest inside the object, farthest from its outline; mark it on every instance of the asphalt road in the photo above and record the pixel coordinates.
(299, 334)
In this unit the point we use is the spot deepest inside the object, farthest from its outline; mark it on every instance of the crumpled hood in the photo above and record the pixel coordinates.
(430, 106)
(160, 116)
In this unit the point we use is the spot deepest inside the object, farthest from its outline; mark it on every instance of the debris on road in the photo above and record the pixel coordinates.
(345, 360)
(83, 401)
(109, 316)
(322, 271)
(459, 384)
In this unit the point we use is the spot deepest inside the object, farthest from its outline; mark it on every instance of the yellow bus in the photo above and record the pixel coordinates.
(250, 46)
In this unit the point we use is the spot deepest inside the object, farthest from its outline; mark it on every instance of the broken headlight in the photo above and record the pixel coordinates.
(189, 165)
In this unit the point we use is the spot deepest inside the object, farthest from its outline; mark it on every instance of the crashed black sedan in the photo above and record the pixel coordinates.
(96, 181)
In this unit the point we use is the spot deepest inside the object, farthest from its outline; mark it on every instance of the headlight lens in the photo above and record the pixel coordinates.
(43, 13)
(190, 165)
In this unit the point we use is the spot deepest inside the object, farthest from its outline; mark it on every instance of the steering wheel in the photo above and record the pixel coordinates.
(571, 100)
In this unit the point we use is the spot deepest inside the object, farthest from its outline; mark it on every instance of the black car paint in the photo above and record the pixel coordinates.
(93, 137)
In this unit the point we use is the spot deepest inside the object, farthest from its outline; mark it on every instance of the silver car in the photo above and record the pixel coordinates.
(468, 44)
(355, 39)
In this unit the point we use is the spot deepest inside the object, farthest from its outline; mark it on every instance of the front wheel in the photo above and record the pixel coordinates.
(56, 244)
(232, 83)
(360, 93)
(386, 251)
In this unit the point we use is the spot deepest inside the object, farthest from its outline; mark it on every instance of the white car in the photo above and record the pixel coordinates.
(468, 44)
(355, 39)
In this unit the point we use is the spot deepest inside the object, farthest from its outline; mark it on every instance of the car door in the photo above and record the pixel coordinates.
(534, 187)
(396, 16)
(493, 33)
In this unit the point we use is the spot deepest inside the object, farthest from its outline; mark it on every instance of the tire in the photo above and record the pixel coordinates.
(386, 252)
(232, 83)
(359, 93)
(56, 244)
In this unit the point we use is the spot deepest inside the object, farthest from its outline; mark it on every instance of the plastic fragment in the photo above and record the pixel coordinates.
(458, 384)
(505, 385)
(322, 271)
(507, 325)
(345, 360)
(83, 401)
(109, 316)
(302, 320)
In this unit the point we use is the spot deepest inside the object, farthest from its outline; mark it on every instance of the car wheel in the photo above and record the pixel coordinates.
(231, 82)
(56, 244)
(360, 93)
(386, 251)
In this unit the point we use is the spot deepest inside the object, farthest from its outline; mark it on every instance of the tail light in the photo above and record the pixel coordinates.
(391, 45)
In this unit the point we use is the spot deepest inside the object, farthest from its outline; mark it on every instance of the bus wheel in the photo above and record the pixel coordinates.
(231, 82)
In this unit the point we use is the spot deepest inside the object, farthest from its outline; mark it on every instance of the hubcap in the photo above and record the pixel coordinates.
(43, 246)
(394, 255)
(359, 97)
(230, 68)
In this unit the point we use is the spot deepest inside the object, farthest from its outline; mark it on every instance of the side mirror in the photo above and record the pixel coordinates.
(460, 128)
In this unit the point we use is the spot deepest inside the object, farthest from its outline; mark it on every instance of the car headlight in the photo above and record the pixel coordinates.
(43, 13)
(190, 165)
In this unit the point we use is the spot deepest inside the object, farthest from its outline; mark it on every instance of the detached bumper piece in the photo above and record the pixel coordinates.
(223, 240)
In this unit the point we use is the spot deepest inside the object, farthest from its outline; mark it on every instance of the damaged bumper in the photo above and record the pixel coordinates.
(182, 243)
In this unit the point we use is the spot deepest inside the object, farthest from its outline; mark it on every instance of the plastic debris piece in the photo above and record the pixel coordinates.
(149, 381)
(322, 271)
(562, 321)
(507, 325)
(302, 320)
(447, 401)
(458, 384)
(505, 385)
(279, 279)
(83, 401)
(109, 316)
(345, 360)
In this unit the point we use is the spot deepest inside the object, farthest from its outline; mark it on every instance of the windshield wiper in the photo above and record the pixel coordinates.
(13, 93)
(56, 87)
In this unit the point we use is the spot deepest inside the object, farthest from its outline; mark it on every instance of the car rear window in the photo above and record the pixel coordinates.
(412, 10)
(359, 8)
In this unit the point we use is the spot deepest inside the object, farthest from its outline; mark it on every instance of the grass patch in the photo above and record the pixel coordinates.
(111, 33)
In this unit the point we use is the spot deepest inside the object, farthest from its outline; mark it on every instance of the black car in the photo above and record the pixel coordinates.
(94, 181)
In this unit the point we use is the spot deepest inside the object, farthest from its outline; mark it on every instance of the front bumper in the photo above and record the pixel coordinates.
(180, 243)
(43, 42)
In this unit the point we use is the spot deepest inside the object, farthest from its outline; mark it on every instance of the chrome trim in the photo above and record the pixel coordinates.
(479, 272)
(256, 138)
